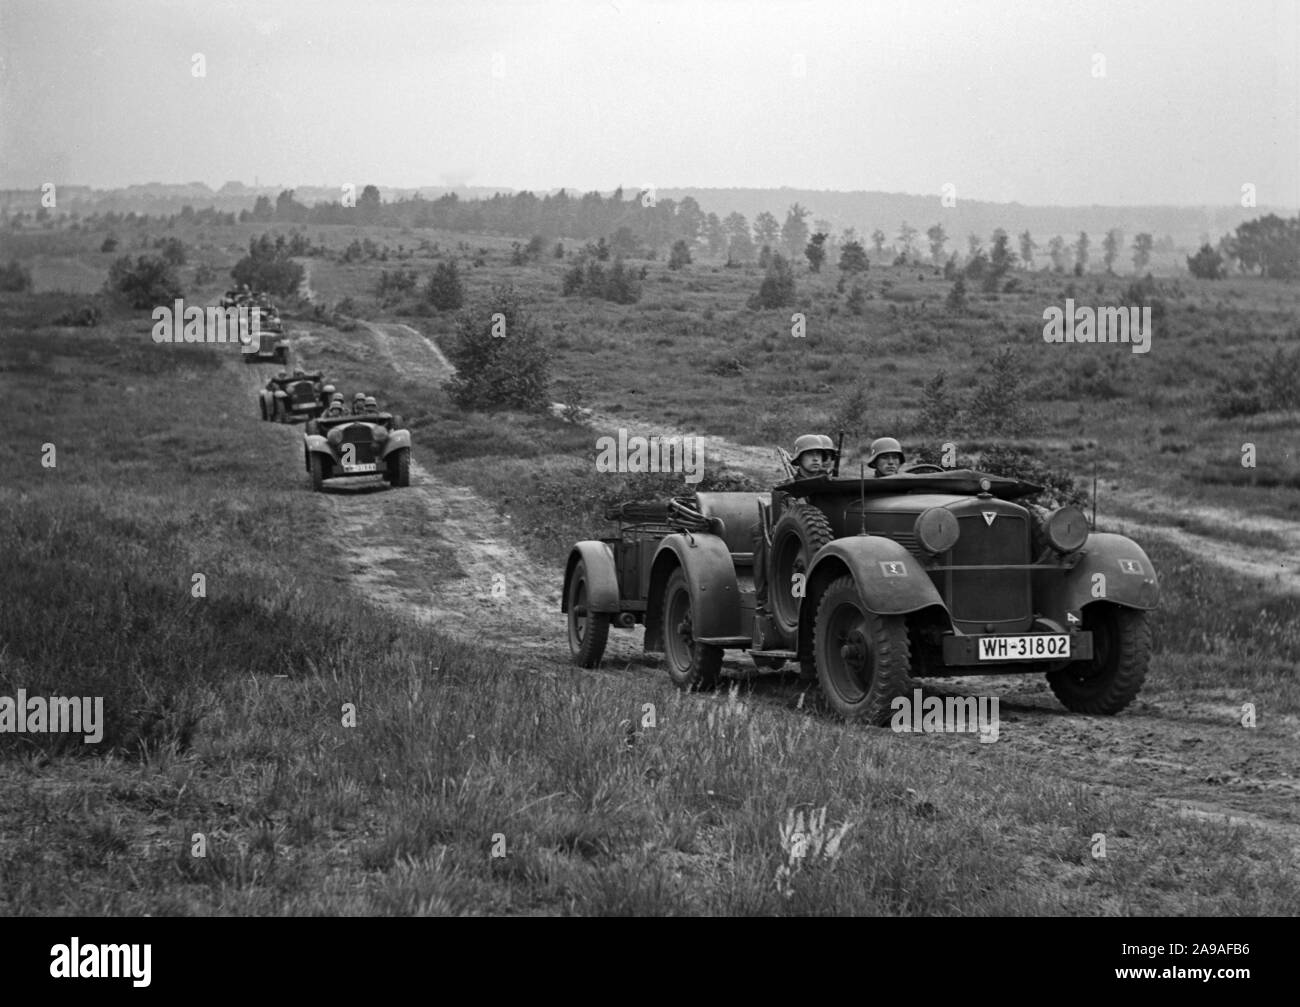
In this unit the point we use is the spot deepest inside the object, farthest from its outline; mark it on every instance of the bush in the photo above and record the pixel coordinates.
(14, 278)
(680, 255)
(777, 289)
(938, 408)
(445, 290)
(857, 301)
(998, 405)
(398, 281)
(172, 250)
(850, 415)
(267, 266)
(956, 300)
(144, 284)
(109, 245)
(509, 370)
(589, 278)
(853, 258)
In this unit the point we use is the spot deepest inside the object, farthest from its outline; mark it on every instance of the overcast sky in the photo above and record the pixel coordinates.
(1007, 101)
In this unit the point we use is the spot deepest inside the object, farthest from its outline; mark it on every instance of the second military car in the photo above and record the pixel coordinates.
(290, 397)
(873, 582)
(370, 444)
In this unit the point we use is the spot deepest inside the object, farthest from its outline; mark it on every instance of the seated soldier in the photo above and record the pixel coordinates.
(886, 456)
(358, 403)
(372, 404)
(813, 455)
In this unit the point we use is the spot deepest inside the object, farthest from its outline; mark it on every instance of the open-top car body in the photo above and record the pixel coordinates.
(873, 582)
(296, 397)
(372, 444)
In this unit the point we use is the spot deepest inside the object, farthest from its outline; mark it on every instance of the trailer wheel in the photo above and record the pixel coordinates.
(588, 630)
(691, 665)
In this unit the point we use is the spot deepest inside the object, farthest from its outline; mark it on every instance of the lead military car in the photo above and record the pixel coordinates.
(872, 581)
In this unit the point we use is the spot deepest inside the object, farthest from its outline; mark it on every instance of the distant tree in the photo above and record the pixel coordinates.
(938, 408)
(536, 245)
(715, 235)
(680, 255)
(956, 300)
(973, 244)
(146, 283)
(816, 251)
(740, 246)
(267, 266)
(1027, 248)
(1081, 254)
(766, 229)
(289, 209)
(853, 258)
(878, 241)
(445, 289)
(938, 237)
(1056, 251)
(172, 250)
(263, 210)
(794, 232)
(1110, 247)
(1001, 260)
(777, 289)
(689, 221)
(823, 226)
(1206, 264)
(368, 205)
(494, 371)
(907, 238)
(998, 405)
(109, 245)
(856, 301)
(765, 256)
(1271, 245)
(848, 234)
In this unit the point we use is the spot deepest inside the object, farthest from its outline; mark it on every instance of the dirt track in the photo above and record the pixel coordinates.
(1192, 756)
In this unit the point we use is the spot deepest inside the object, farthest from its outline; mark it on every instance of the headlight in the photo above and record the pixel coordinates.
(335, 436)
(1067, 529)
(380, 435)
(936, 530)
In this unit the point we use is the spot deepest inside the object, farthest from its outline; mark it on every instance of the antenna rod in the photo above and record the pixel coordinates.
(1094, 494)
(839, 451)
(862, 494)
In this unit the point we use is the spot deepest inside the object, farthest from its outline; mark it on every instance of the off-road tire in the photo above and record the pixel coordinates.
(862, 658)
(399, 467)
(691, 665)
(1121, 651)
(316, 466)
(261, 404)
(588, 631)
(797, 536)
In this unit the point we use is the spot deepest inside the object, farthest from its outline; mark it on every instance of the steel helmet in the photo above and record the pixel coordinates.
(372, 402)
(328, 389)
(336, 397)
(886, 446)
(813, 442)
(359, 395)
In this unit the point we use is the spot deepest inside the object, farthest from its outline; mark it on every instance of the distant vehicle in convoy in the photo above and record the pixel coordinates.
(339, 447)
(873, 582)
(291, 397)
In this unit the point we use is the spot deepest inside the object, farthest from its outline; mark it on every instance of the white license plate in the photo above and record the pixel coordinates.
(1037, 647)
(369, 467)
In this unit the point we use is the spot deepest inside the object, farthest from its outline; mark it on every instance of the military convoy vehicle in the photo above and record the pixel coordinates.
(299, 396)
(873, 582)
(370, 444)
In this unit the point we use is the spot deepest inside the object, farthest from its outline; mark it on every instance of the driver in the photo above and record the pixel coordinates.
(886, 456)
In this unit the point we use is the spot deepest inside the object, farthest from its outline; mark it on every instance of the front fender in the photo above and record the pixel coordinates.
(711, 574)
(317, 444)
(602, 577)
(890, 579)
(397, 439)
(1112, 568)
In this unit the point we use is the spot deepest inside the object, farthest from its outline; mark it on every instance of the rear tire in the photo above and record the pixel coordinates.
(588, 631)
(862, 658)
(399, 467)
(799, 533)
(316, 466)
(691, 665)
(1121, 651)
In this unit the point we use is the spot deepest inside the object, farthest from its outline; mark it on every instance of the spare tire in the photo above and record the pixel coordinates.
(800, 532)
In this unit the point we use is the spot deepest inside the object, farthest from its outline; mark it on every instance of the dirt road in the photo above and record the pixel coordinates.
(1189, 754)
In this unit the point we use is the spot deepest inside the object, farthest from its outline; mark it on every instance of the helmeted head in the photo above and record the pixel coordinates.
(886, 456)
(336, 399)
(329, 390)
(281, 374)
(813, 455)
(298, 372)
(372, 404)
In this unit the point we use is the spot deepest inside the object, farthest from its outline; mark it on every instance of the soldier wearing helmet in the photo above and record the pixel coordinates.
(813, 455)
(298, 372)
(372, 404)
(886, 456)
(358, 403)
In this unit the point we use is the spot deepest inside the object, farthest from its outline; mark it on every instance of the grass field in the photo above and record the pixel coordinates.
(225, 714)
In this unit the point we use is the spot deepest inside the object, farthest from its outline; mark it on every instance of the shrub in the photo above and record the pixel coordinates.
(956, 300)
(998, 405)
(109, 245)
(445, 290)
(172, 250)
(777, 289)
(144, 284)
(857, 301)
(938, 408)
(509, 370)
(680, 255)
(267, 266)
(14, 278)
